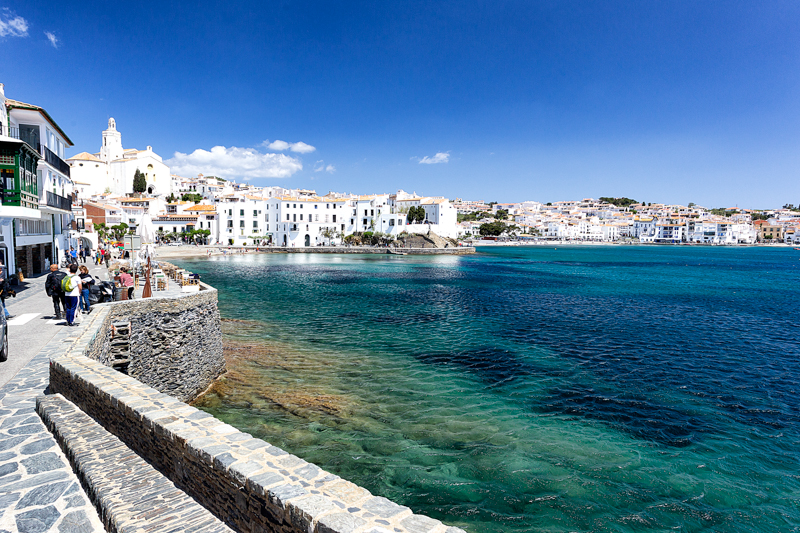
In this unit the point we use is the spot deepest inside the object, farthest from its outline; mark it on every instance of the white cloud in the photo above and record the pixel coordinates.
(52, 38)
(276, 145)
(301, 147)
(440, 157)
(233, 163)
(12, 25)
(319, 166)
(280, 146)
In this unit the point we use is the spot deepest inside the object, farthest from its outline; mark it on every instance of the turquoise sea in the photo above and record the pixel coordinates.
(625, 389)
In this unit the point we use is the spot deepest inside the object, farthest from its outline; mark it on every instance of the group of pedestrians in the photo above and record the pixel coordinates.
(69, 291)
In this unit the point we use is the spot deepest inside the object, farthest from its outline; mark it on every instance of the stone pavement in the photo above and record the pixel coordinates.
(38, 490)
(132, 494)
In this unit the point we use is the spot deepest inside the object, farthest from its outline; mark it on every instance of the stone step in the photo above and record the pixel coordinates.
(130, 495)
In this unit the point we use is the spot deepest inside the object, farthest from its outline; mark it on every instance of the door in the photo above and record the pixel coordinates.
(308, 240)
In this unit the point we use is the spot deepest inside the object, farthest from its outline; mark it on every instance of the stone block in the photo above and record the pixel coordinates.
(383, 507)
(303, 511)
(339, 523)
(419, 524)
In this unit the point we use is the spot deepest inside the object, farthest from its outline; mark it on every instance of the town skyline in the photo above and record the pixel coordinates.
(673, 102)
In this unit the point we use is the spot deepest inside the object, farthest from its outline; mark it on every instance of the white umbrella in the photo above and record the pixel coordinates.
(147, 233)
(146, 230)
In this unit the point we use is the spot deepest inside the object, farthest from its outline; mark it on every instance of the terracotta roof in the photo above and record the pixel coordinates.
(175, 217)
(202, 207)
(84, 156)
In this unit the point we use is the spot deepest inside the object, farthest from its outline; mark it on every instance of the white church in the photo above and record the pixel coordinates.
(112, 169)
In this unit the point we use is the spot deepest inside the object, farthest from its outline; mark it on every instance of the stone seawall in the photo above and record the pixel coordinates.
(247, 483)
(172, 344)
(460, 250)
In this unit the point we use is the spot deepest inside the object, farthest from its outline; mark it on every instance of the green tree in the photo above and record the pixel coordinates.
(102, 231)
(619, 202)
(192, 197)
(139, 181)
(328, 233)
(416, 214)
(501, 214)
(118, 232)
(493, 228)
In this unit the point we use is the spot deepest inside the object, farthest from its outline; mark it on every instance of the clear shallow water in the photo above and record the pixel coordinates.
(569, 389)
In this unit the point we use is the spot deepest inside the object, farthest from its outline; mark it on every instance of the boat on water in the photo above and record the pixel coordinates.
(396, 252)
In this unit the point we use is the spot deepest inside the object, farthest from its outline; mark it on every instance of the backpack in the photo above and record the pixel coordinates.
(53, 285)
(67, 284)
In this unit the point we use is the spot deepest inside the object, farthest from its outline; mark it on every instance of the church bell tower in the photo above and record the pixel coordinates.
(112, 143)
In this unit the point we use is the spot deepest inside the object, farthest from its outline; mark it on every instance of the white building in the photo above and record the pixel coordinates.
(36, 188)
(112, 168)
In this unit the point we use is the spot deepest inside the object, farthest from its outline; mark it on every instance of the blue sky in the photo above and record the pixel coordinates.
(659, 101)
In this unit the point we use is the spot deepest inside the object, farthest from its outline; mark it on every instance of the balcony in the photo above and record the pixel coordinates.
(54, 161)
(57, 201)
(33, 141)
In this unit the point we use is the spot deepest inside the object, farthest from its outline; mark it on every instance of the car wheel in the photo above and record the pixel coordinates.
(4, 351)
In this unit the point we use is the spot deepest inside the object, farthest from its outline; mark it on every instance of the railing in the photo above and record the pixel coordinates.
(58, 201)
(50, 157)
(30, 140)
(55, 161)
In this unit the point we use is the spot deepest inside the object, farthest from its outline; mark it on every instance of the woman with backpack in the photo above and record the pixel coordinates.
(72, 289)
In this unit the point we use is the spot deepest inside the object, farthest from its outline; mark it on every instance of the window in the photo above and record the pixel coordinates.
(255, 212)
(301, 216)
(371, 212)
(316, 218)
(230, 212)
(293, 205)
(334, 218)
(391, 222)
(241, 223)
(365, 212)
(315, 206)
(267, 227)
(241, 212)
(255, 224)
(326, 218)
(288, 216)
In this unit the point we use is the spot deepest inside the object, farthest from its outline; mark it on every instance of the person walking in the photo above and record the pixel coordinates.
(87, 281)
(106, 256)
(98, 256)
(73, 256)
(52, 286)
(75, 286)
(84, 254)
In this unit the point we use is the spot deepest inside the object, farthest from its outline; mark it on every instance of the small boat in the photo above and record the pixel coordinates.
(395, 252)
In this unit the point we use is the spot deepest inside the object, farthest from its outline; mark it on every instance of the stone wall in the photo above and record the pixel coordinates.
(247, 483)
(173, 344)
(460, 250)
